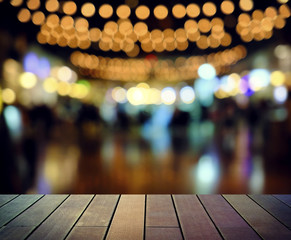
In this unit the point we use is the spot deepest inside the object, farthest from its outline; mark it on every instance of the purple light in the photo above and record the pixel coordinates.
(31, 63)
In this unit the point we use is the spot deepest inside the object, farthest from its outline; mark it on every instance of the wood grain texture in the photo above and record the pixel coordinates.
(57, 225)
(128, 221)
(194, 220)
(227, 220)
(6, 198)
(88, 233)
(261, 221)
(14, 233)
(99, 212)
(34, 215)
(284, 198)
(16, 206)
(160, 211)
(153, 233)
(274, 206)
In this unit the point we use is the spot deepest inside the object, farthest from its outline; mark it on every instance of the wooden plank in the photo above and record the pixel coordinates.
(227, 220)
(160, 211)
(284, 198)
(16, 206)
(264, 224)
(88, 233)
(6, 198)
(128, 221)
(12, 233)
(34, 215)
(57, 225)
(99, 212)
(153, 233)
(274, 206)
(194, 220)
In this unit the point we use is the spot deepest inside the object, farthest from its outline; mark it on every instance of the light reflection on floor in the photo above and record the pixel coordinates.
(98, 161)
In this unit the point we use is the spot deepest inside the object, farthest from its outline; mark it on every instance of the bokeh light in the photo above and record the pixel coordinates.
(207, 71)
(27, 80)
(187, 94)
(168, 95)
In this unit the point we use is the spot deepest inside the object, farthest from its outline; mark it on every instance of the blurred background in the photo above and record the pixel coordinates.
(143, 96)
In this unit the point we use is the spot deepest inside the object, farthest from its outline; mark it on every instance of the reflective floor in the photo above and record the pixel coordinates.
(200, 157)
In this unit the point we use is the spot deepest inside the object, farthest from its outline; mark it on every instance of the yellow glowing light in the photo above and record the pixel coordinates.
(209, 9)
(123, 11)
(52, 5)
(202, 42)
(79, 91)
(227, 7)
(277, 78)
(69, 7)
(246, 5)
(135, 96)
(8, 96)
(88, 9)
(179, 11)
(27, 80)
(63, 88)
(105, 11)
(154, 96)
(24, 15)
(16, 3)
(38, 18)
(193, 10)
(119, 94)
(226, 40)
(50, 85)
(161, 12)
(142, 12)
(283, 1)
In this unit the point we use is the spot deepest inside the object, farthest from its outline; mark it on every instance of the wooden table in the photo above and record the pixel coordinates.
(145, 217)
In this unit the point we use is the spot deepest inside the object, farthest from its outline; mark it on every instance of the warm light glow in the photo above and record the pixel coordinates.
(69, 7)
(227, 7)
(179, 11)
(50, 85)
(38, 18)
(209, 9)
(52, 5)
(81, 24)
(161, 12)
(95, 34)
(193, 10)
(140, 28)
(204, 25)
(27, 80)
(105, 11)
(142, 12)
(246, 5)
(8, 96)
(24, 15)
(16, 3)
(33, 4)
(123, 11)
(277, 78)
(284, 11)
(63, 88)
(88, 9)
